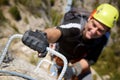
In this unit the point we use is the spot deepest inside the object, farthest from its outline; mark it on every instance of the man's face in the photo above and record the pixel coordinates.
(94, 29)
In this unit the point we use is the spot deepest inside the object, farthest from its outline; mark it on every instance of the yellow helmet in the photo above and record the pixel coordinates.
(106, 14)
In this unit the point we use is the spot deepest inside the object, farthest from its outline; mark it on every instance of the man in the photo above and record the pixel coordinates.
(81, 41)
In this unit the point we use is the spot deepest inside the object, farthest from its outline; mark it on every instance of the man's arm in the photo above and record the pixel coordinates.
(53, 34)
(39, 40)
(77, 68)
(84, 65)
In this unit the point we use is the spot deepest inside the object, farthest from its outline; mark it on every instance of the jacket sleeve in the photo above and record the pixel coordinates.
(68, 32)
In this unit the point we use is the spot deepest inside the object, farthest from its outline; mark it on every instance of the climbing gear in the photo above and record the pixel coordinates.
(79, 16)
(51, 51)
(106, 14)
(36, 40)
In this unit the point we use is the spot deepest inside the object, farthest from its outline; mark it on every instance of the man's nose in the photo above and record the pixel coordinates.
(94, 30)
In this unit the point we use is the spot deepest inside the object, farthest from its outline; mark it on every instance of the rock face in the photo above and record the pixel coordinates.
(19, 57)
(23, 67)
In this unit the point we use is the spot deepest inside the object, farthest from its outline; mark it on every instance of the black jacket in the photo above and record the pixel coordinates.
(71, 43)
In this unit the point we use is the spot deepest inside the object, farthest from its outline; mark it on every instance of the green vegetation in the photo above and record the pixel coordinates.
(2, 18)
(15, 13)
(96, 3)
(33, 59)
(32, 5)
(56, 18)
(4, 2)
(108, 64)
(15, 28)
(26, 20)
(35, 6)
(52, 2)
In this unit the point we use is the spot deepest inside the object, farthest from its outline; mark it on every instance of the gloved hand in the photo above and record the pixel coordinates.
(73, 70)
(36, 40)
(70, 72)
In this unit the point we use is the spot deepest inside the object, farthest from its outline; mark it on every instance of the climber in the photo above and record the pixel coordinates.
(78, 38)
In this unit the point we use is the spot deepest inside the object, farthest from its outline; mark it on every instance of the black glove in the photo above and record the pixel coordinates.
(36, 40)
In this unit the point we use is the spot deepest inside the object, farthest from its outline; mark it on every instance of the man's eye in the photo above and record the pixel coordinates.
(102, 31)
(94, 25)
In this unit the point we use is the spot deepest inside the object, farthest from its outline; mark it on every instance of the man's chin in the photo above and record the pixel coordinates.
(88, 37)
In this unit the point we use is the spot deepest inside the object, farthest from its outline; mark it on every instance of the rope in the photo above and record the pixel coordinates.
(3, 54)
(17, 74)
(4, 51)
